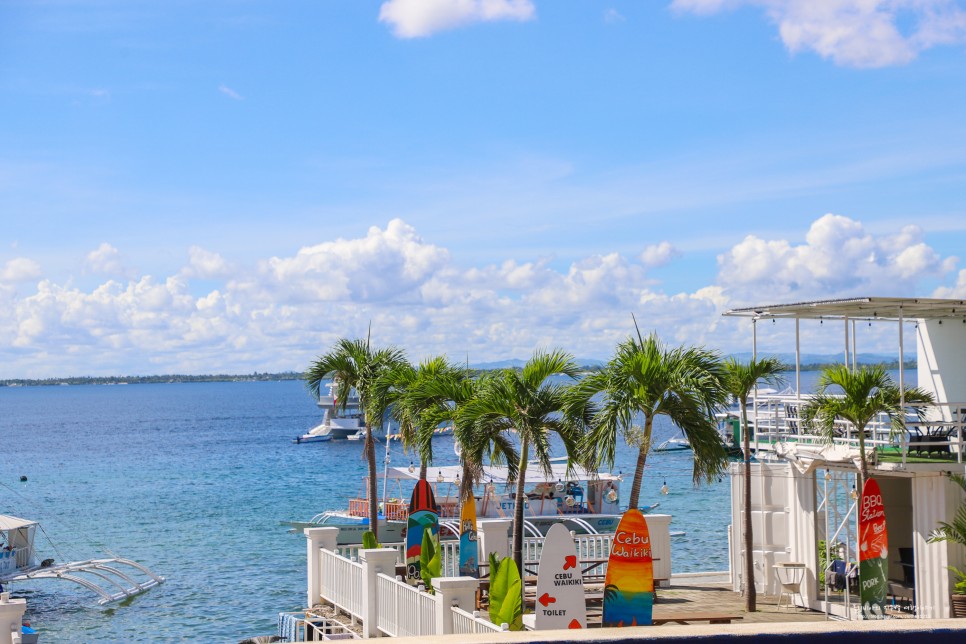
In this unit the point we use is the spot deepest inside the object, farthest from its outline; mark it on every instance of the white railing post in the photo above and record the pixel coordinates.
(453, 591)
(374, 561)
(317, 539)
(494, 537)
(11, 617)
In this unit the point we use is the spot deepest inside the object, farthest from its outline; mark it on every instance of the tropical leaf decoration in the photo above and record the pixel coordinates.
(369, 541)
(506, 600)
(430, 560)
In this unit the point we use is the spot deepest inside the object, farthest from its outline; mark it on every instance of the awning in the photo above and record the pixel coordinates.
(8, 522)
(806, 458)
(860, 308)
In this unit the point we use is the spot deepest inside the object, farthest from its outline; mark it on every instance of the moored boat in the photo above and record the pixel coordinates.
(587, 502)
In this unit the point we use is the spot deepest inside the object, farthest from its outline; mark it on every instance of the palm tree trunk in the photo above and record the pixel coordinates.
(863, 464)
(422, 469)
(370, 450)
(633, 500)
(750, 593)
(518, 508)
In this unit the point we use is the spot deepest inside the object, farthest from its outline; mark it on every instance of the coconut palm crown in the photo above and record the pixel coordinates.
(354, 364)
(858, 397)
(418, 400)
(647, 378)
(739, 379)
(530, 404)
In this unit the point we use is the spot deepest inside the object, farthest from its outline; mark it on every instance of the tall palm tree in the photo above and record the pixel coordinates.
(419, 402)
(739, 379)
(531, 404)
(858, 397)
(354, 364)
(645, 377)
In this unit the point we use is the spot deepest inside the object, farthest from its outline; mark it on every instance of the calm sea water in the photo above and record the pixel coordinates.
(192, 480)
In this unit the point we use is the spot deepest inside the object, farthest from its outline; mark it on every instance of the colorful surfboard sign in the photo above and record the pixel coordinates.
(469, 547)
(423, 516)
(629, 583)
(561, 602)
(873, 552)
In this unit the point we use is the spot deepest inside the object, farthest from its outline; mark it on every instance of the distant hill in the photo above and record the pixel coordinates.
(516, 363)
(813, 359)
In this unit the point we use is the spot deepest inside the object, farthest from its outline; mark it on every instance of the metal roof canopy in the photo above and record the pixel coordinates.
(860, 308)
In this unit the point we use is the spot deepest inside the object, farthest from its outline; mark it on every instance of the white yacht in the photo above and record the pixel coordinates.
(337, 423)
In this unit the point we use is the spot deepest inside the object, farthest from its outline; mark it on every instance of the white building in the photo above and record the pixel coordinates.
(802, 490)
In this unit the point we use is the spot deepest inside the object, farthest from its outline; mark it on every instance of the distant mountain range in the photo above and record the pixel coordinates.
(788, 358)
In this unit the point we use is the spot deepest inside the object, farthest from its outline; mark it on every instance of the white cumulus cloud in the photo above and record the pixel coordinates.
(855, 33)
(659, 254)
(280, 312)
(20, 269)
(107, 260)
(418, 18)
(839, 258)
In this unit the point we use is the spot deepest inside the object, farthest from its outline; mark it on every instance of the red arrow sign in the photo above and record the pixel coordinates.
(570, 562)
(574, 624)
(546, 599)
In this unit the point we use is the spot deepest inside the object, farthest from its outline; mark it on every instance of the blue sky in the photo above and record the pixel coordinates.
(230, 186)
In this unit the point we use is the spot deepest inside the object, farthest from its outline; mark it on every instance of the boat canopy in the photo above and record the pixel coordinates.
(8, 522)
(494, 474)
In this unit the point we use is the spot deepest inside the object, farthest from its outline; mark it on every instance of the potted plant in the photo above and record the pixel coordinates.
(955, 531)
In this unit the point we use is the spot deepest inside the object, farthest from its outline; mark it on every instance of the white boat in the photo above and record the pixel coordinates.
(587, 502)
(112, 579)
(338, 423)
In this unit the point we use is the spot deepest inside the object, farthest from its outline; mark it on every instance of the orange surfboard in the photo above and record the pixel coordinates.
(629, 584)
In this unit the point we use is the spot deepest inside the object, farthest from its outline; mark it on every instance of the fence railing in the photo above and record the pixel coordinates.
(466, 623)
(342, 582)
(404, 611)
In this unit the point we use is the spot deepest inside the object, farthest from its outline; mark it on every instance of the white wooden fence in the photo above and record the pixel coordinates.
(342, 582)
(404, 611)
(466, 623)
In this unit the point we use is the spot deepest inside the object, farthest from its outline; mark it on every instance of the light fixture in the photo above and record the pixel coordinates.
(412, 468)
(828, 475)
(853, 493)
(439, 477)
(664, 488)
(456, 481)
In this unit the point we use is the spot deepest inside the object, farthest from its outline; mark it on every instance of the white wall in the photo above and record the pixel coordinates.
(941, 354)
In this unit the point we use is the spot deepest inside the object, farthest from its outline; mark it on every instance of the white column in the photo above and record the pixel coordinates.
(11, 617)
(317, 539)
(494, 536)
(454, 591)
(374, 561)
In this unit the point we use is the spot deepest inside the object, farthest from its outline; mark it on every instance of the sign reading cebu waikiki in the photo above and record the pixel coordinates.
(560, 587)
(873, 552)
(629, 584)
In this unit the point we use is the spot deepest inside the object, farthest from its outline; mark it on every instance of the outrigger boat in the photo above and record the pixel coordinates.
(586, 502)
(112, 579)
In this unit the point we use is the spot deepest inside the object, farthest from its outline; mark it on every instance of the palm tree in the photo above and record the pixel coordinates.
(419, 402)
(530, 404)
(354, 364)
(739, 380)
(645, 377)
(864, 394)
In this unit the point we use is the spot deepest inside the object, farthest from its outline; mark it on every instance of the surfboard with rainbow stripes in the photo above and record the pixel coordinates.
(629, 583)
(423, 516)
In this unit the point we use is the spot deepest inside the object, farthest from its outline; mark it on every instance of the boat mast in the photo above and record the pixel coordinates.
(385, 469)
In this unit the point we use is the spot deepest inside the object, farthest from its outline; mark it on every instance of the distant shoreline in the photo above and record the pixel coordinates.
(266, 377)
